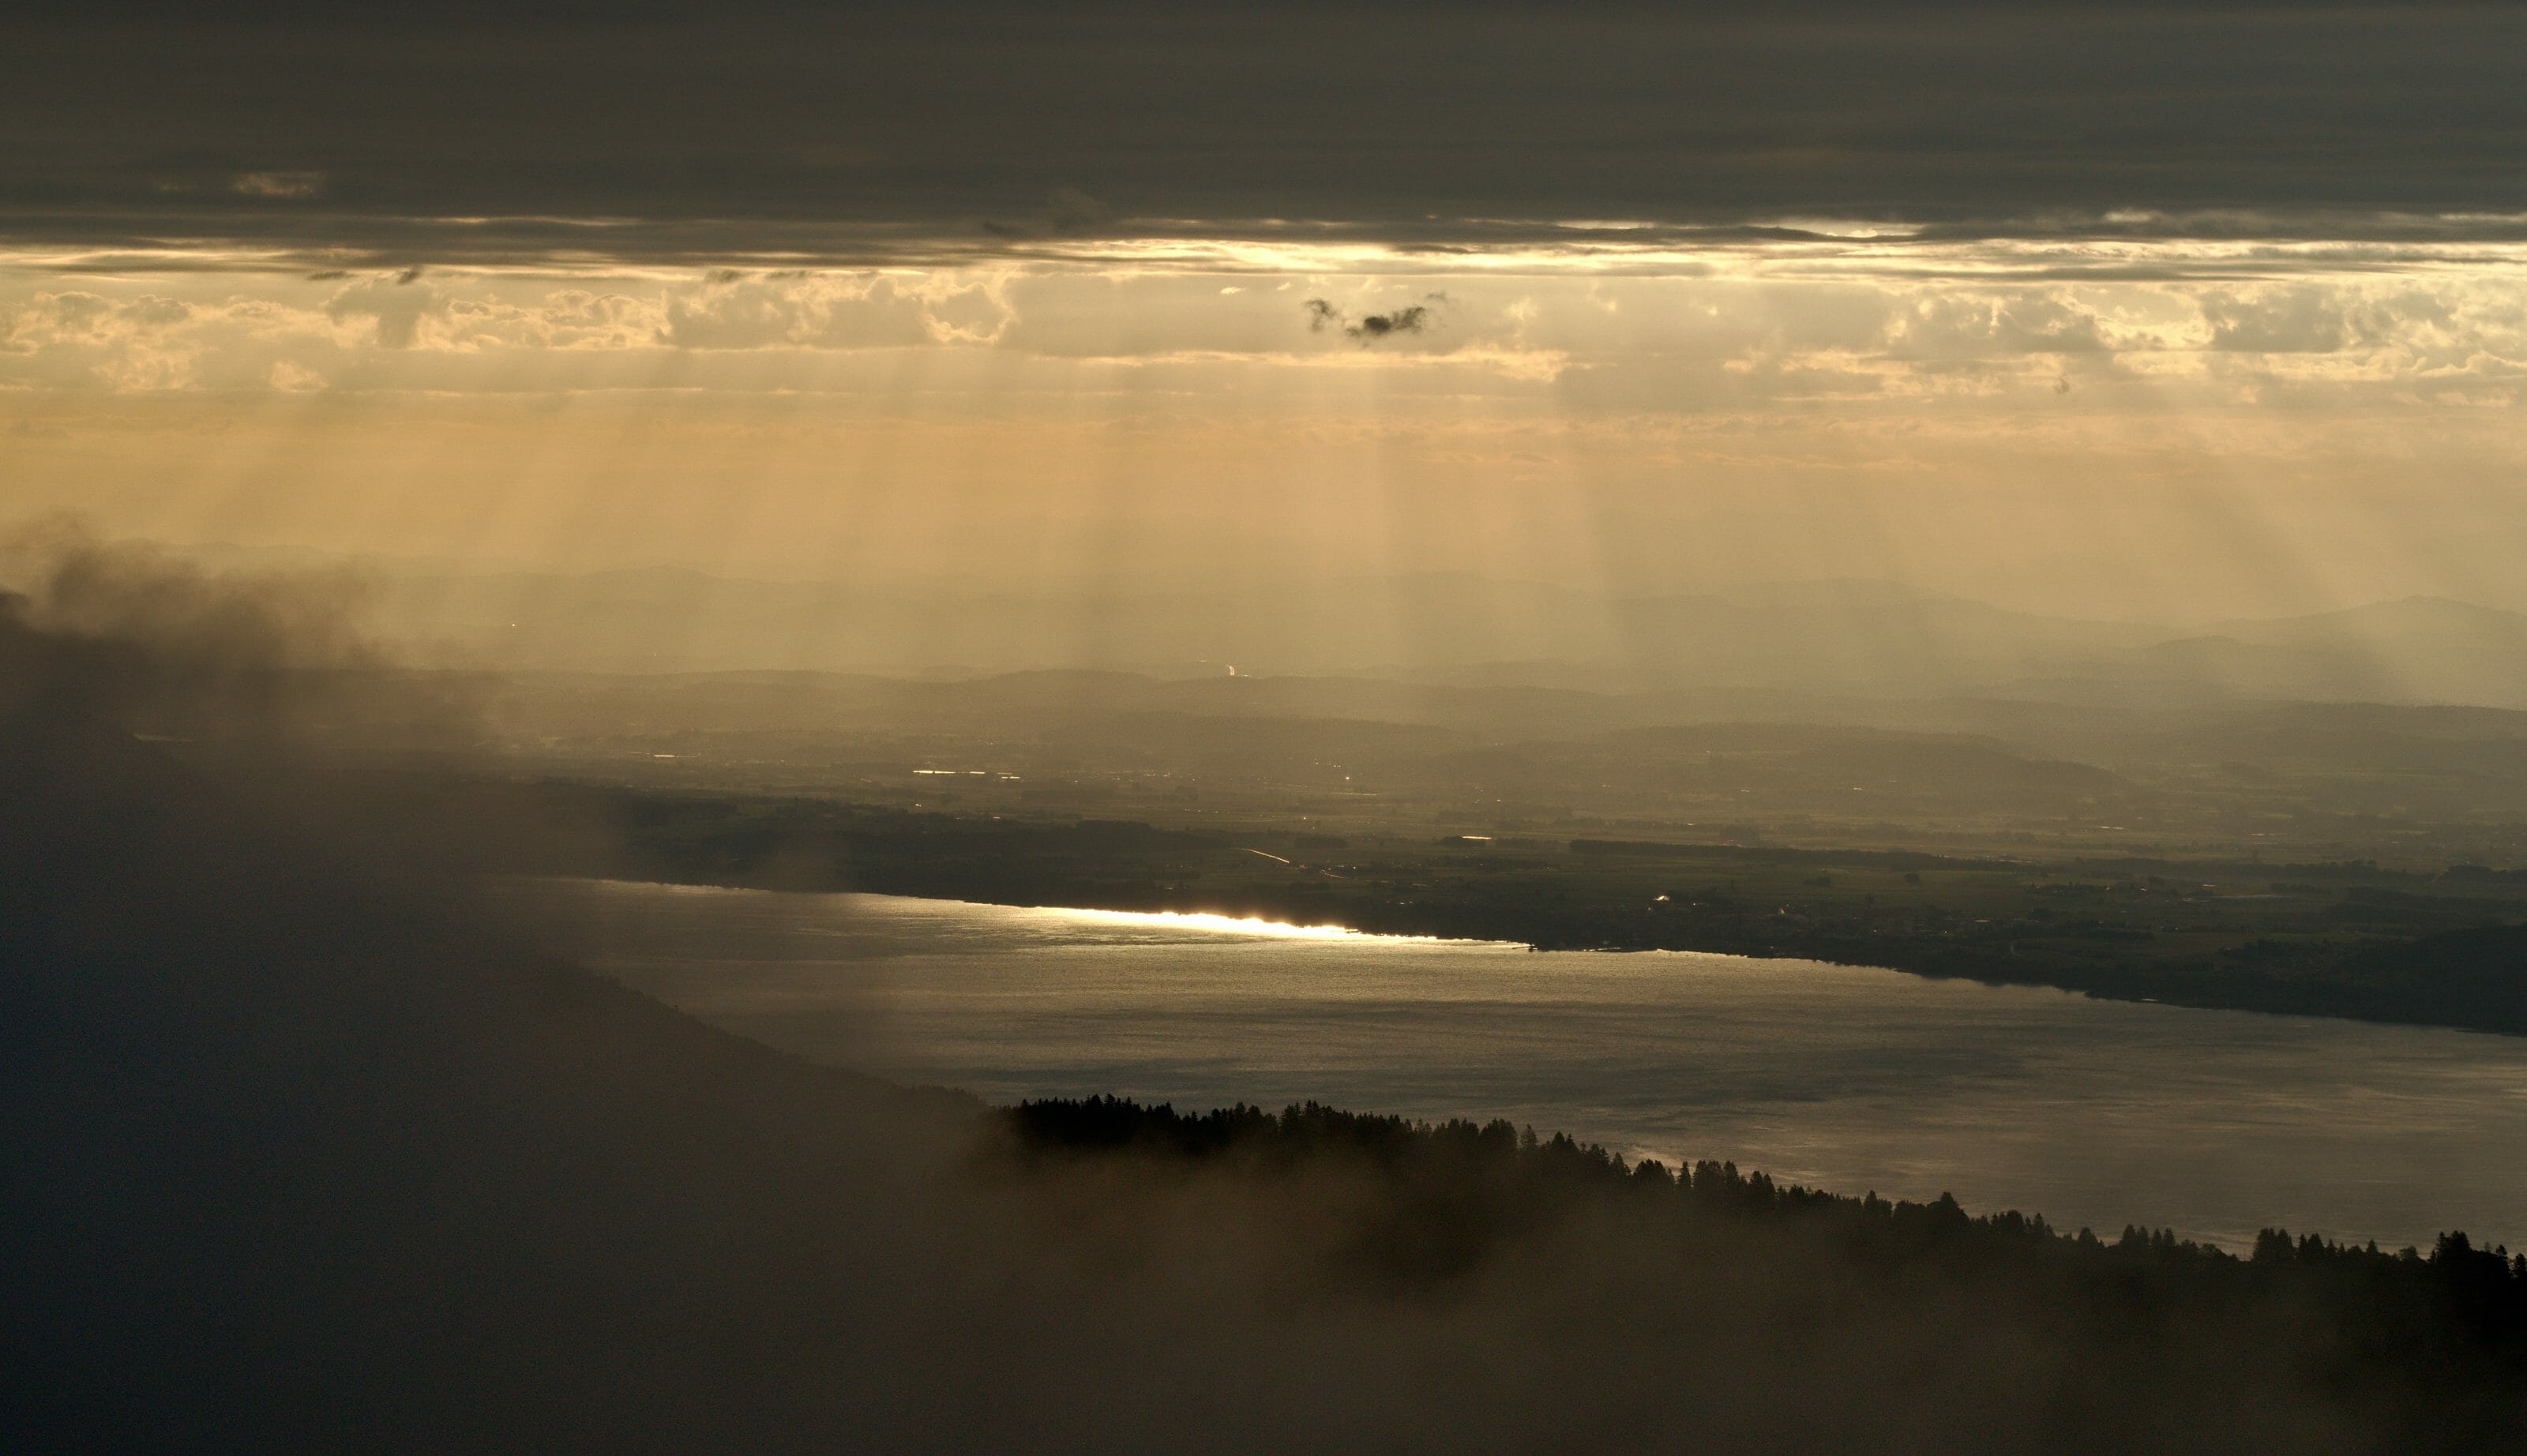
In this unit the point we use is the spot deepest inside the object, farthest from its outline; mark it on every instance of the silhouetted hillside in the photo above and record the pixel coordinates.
(302, 1158)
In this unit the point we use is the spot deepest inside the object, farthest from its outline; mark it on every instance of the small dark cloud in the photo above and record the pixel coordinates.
(329, 275)
(1413, 318)
(410, 275)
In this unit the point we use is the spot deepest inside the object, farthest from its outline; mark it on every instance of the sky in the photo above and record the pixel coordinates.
(2110, 310)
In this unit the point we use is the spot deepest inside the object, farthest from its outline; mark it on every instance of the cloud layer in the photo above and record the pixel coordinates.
(1830, 287)
(1740, 329)
(901, 131)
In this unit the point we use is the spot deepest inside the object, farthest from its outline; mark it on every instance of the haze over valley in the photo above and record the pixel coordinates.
(976, 727)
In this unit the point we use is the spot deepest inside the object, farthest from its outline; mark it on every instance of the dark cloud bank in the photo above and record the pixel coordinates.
(310, 1148)
(481, 131)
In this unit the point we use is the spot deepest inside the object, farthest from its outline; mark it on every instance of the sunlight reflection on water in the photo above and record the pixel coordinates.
(2092, 1112)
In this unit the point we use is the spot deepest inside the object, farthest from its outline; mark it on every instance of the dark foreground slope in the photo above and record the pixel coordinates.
(304, 1155)
(298, 1158)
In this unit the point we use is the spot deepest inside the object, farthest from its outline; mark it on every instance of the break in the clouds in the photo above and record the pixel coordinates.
(1932, 290)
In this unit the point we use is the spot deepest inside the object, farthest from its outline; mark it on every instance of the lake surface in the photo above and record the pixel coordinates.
(2096, 1113)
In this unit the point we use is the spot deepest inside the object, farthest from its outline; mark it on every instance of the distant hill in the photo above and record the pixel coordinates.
(1758, 769)
(1730, 645)
(1311, 747)
(2420, 650)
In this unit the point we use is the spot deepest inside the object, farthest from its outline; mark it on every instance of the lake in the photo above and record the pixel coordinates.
(2096, 1113)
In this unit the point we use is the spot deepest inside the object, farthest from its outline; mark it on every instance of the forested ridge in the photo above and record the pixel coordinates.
(1460, 1187)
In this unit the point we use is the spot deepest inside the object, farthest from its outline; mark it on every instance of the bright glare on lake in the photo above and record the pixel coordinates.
(2093, 1113)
